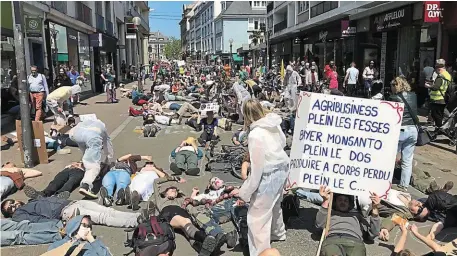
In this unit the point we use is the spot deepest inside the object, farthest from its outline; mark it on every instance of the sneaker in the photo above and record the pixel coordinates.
(64, 151)
(63, 195)
(32, 193)
(85, 190)
(106, 199)
(135, 201)
(128, 196)
(175, 169)
(232, 238)
(208, 246)
(120, 200)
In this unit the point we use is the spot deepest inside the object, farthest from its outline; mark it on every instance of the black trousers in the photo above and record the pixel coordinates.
(66, 180)
(437, 112)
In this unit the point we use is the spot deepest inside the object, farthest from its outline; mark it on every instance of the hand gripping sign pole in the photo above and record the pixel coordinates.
(327, 225)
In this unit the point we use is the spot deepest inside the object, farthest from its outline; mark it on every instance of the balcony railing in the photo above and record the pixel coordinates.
(60, 6)
(280, 26)
(109, 28)
(83, 13)
(270, 6)
(100, 22)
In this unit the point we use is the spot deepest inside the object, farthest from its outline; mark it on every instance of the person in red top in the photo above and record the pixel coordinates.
(175, 87)
(332, 76)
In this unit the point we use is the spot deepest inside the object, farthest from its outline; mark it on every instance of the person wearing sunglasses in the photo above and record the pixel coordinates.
(79, 233)
(440, 207)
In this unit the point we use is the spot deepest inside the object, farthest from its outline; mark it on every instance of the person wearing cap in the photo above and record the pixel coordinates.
(437, 91)
(312, 78)
(95, 143)
(168, 206)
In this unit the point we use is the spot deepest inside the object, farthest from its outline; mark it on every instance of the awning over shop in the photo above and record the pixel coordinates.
(237, 58)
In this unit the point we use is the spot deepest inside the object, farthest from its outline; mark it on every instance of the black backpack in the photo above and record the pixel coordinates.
(152, 238)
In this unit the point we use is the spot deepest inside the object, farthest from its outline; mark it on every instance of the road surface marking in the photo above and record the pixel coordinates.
(121, 127)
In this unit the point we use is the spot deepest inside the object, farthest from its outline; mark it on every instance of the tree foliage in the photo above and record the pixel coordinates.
(173, 49)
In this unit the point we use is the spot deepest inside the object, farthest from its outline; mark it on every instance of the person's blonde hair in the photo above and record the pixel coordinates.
(193, 142)
(400, 84)
(252, 111)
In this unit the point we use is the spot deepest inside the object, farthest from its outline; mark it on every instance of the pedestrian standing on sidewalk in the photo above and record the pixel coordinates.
(437, 91)
(93, 140)
(110, 88)
(38, 91)
(401, 92)
(351, 78)
(368, 76)
(265, 185)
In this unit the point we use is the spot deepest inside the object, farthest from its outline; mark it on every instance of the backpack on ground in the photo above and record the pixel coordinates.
(224, 123)
(152, 238)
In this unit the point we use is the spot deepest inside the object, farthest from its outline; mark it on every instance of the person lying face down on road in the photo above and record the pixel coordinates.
(168, 206)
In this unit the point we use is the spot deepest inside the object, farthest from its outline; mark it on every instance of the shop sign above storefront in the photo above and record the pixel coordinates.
(347, 30)
(433, 12)
(323, 36)
(392, 19)
(34, 27)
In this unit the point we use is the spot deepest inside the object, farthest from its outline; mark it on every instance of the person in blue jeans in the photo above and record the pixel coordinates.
(401, 92)
(119, 178)
(28, 233)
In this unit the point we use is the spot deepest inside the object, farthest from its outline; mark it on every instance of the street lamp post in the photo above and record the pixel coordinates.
(137, 22)
(231, 54)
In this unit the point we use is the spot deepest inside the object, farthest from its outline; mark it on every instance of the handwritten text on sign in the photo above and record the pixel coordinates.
(347, 144)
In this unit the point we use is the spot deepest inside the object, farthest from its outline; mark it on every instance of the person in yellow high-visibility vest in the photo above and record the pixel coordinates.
(437, 92)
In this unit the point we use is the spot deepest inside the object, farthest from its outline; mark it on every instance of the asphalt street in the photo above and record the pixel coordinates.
(301, 236)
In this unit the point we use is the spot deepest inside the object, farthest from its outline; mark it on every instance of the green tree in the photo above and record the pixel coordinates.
(173, 49)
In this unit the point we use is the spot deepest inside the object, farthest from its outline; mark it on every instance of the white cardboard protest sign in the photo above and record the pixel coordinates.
(87, 117)
(347, 144)
(205, 107)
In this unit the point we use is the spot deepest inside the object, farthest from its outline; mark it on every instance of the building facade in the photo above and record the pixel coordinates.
(184, 25)
(157, 43)
(86, 35)
(398, 35)
(212, 25)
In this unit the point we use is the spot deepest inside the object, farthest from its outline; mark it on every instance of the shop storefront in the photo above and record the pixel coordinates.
(449, 34)
(68, 48)
(104, 53)
(8, 58)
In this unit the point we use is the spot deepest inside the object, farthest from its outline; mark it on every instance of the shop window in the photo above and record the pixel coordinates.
(84, 61)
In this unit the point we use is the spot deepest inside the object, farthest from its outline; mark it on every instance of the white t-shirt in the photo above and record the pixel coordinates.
(143, 183)
(353, 75)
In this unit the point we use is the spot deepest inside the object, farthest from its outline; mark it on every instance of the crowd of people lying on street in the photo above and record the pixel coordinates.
(258, 210)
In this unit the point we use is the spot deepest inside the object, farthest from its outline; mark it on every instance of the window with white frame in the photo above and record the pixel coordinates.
(218, 26)
(223, 5)
(219, 44)
(259, 4)
(254, 23)
(303, 6)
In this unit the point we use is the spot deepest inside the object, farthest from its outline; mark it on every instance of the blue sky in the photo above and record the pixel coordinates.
(166, 16)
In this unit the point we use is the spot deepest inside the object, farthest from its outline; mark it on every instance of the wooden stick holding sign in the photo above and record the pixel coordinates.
(327, 224)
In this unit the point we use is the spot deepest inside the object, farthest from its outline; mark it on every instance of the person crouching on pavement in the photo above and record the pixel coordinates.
(263, 189)
(209, 133)
(119, 177)
(186, 158)
(79, 235)
(93, 140)
(344, 235)
(55, 102)
(168, 206)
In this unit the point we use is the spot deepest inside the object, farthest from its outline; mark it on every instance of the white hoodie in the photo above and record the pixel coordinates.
(266, 147)
(264, 186)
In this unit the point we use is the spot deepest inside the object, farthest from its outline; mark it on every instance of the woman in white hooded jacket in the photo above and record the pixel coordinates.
(269, 171)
